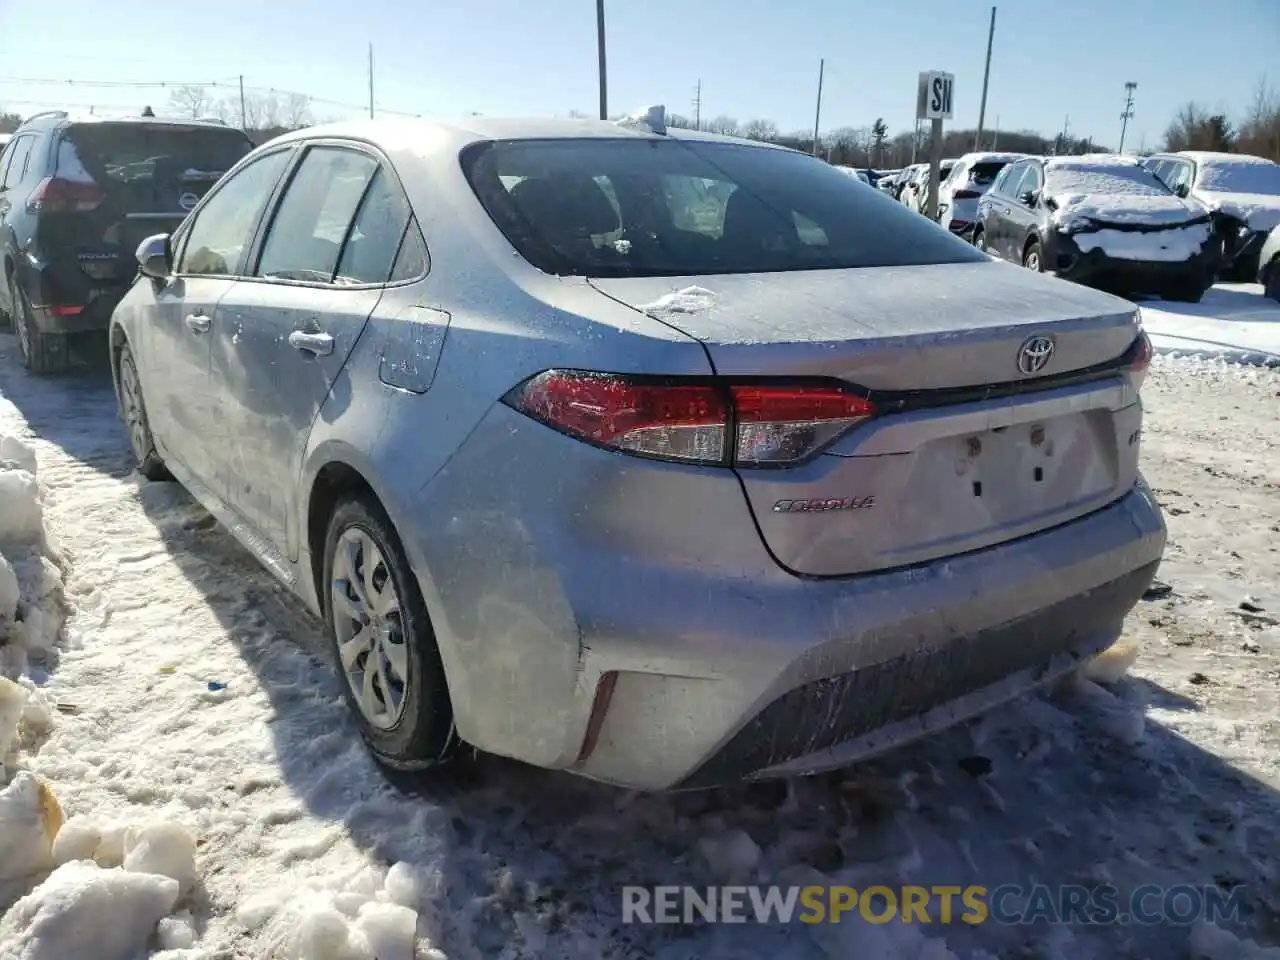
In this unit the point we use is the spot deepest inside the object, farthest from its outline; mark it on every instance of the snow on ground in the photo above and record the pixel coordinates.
(194, 709)
(1234, 321)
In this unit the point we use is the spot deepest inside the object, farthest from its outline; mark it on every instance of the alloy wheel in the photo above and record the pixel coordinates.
(131, 404)
(369, 627)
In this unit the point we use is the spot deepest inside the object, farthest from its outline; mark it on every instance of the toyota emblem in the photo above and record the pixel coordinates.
(1034, 354)
(188, 201)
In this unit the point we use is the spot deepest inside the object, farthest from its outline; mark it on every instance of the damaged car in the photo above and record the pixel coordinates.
(1104, 221)
(1241, 191)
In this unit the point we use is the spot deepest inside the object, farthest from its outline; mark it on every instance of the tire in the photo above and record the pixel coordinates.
(1186, 291)
(133, 410)
(1272, 287)
(415, 732)
(1033, 257)
(980, 239)
(42, 353)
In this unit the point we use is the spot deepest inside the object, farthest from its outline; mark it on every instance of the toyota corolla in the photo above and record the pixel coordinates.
(664, 458)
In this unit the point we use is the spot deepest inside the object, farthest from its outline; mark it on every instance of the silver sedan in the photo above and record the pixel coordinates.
(663, 458)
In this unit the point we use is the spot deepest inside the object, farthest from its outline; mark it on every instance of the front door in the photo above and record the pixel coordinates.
(187, 418)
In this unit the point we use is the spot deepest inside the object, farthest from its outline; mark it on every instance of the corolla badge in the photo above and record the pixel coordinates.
(1034, 354)
(188, 201)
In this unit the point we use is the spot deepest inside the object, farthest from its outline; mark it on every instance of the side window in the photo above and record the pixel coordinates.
(1017, 175)
(221, 233)
(370, 250)
(412, 261)
(1034, 180)
(20, 151)
(1179, 175)
(1002, 178)
(305, 238)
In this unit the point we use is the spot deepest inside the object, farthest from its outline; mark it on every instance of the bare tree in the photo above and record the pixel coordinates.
(723, 125)
(297, 111)
(760, 130)
(191, 101)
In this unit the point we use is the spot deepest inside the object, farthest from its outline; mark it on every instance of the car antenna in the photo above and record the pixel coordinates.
(653, 119)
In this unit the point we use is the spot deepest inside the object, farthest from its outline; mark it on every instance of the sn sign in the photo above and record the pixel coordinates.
(934, 99)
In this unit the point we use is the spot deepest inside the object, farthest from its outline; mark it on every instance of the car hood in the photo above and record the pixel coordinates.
(1083, 211)
(1261, 211)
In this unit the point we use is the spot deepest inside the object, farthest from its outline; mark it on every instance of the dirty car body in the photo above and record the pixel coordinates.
(708, 462)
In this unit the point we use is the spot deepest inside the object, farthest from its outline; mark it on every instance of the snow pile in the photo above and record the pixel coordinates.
(1234, 322)
(686, 300)
(72, 888)
(1171, 246)
(373, 915)
(30, 579)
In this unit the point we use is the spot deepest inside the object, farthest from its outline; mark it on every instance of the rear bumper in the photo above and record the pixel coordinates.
(621, 618)
(64, 301)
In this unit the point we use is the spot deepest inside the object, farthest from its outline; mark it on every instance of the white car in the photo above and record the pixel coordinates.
(960, 192)
(919, 199)
(1242, 191)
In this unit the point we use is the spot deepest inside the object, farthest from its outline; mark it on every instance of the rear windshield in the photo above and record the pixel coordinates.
(129, 153)
(621, 208)
(1240, 176)
(984, 174)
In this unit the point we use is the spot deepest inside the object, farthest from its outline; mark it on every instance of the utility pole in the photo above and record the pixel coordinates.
(1128, 111)
(995, 134)
(986, 76)
(371, 80)
(915, 141)
(244, 114)
(697, 107)
(604, 86)
(817, 114)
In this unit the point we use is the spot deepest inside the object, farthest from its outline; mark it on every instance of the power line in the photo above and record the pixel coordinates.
(231, 86)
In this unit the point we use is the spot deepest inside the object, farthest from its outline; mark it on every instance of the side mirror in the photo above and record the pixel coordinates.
(1181, 190)
(155, 257)
(1028, 197)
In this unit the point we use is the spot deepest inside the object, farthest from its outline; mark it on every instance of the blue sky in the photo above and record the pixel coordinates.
(1053, 58)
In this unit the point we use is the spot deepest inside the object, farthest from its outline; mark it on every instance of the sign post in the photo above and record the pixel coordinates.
(935, 95)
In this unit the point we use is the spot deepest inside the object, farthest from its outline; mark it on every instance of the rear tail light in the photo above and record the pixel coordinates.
(966, 195)
(1143, 352)
(55, 195)
(696, 421)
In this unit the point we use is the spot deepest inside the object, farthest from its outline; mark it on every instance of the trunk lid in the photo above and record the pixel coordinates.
(150, 175)
(968, 450)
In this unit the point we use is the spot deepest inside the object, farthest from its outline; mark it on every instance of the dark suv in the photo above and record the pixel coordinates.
(76, 199)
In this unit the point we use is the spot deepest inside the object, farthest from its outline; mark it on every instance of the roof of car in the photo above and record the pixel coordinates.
(1209, 156)
(1096, 160)
(989, 157)
(55, 117)
(493, 128)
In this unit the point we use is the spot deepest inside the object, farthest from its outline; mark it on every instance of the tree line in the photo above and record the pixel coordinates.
(1255, 129)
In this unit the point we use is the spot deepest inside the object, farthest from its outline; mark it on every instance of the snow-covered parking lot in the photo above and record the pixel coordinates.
(184, 722)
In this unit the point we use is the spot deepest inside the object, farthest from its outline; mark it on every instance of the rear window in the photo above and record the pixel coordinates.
(620, 208)
(1117, 179)
(138, 153)
(1240, 176)
(984, 174)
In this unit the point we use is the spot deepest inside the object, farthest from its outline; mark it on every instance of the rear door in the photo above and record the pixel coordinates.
(285, 332)
(13, 166)
(132, 179)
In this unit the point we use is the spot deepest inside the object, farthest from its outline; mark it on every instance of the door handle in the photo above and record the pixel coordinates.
(317, 344)
(198, 322)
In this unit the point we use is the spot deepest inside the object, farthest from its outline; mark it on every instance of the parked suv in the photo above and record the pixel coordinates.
(76, 198)
(1242, 191)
